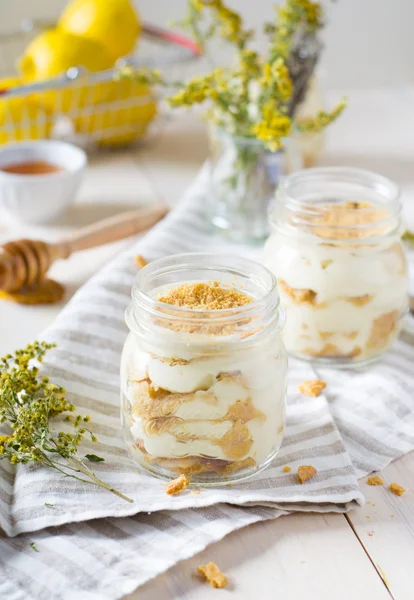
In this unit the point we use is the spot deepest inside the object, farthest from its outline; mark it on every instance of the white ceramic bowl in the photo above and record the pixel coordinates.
(36, 199)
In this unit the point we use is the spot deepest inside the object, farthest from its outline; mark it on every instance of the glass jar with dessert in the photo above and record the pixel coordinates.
(203, 373)
(337, 254)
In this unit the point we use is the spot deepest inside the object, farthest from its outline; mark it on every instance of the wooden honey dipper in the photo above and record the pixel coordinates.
(24, 263)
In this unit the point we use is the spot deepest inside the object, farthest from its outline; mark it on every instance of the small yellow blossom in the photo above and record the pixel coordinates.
(282, 79)
(276, 80)
(272, 128)
(249, 63)
(291, 16)
(197, 5)
(322, 119)
(199, 89)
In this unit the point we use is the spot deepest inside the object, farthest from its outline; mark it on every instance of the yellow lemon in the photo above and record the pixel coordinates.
(113, 23)
(21, 118)
(129, 109)
(53, 52)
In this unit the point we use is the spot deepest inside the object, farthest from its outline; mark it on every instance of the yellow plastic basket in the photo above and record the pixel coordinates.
(88, 123)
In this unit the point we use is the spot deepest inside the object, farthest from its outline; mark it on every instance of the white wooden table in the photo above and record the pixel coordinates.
(367, 554)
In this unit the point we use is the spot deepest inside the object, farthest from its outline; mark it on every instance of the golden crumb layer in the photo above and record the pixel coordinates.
(213, 575)
(341, 221)
(205, 296)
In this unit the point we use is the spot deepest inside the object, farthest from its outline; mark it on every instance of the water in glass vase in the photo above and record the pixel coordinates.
(243, 179)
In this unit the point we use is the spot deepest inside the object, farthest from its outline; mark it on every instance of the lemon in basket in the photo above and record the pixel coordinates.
(112, 23)
(51, 54)
(129, 109)
(21, 118)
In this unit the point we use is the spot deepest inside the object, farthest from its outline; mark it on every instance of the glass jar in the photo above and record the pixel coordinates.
(337, 254)
(203, 391)
(311, 144)
(243, 179)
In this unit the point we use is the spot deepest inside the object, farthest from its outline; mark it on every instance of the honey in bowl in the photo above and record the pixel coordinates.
(32, 167)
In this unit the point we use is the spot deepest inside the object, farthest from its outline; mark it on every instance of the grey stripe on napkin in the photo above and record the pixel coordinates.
(93, 555)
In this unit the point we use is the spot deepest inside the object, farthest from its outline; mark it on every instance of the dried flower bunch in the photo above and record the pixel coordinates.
(258, 96)
(28, 405)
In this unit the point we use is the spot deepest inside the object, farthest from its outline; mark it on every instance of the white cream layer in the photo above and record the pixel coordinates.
(335, 273)
(262, 379)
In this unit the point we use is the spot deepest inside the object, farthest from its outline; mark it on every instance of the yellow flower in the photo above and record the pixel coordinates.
(322, 119)
(293, 15)
(199, 89)
(276, 80)
(197, 5)
(272, 128)
(312, 10)
(249, 63)
(282, 79)
(267, 74)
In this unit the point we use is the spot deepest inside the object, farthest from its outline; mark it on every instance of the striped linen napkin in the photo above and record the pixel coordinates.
(364, 421)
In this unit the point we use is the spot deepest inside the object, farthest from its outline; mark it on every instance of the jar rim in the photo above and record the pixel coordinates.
(155, 267)
(265, 306)
(300, 210)
(364, 176)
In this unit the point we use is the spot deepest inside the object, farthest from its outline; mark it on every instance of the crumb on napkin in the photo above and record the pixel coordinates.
(213, 575)
(286, 469)
(176, 486)
(306, 472)
(397, 489)
(312, 387)
(140, 261)
(375, 480)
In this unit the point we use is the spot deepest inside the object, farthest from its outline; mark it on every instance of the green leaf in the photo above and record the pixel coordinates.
(94, 458)
(33, 547)
(49, 505)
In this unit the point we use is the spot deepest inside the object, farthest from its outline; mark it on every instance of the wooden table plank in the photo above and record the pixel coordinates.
(385, 527)
(316, 557)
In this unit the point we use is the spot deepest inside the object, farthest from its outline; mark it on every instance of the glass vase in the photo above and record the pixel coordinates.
(243, 179)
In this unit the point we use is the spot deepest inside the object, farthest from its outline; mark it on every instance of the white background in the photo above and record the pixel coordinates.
(369, 43)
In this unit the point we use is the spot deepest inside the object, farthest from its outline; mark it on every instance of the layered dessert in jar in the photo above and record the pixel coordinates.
(204, 370)
(337, 254)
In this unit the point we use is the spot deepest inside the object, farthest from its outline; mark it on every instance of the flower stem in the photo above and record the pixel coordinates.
(79, 467)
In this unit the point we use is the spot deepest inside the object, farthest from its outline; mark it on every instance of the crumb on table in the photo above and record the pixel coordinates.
(397, 489)
(375, 480)
(306, 472)
(140, 261)
(312, 387)
(213, 575)
(286, 469)
(176, 486)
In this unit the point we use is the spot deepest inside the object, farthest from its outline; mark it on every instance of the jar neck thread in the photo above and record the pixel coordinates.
(146, 315)
(338, 204)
